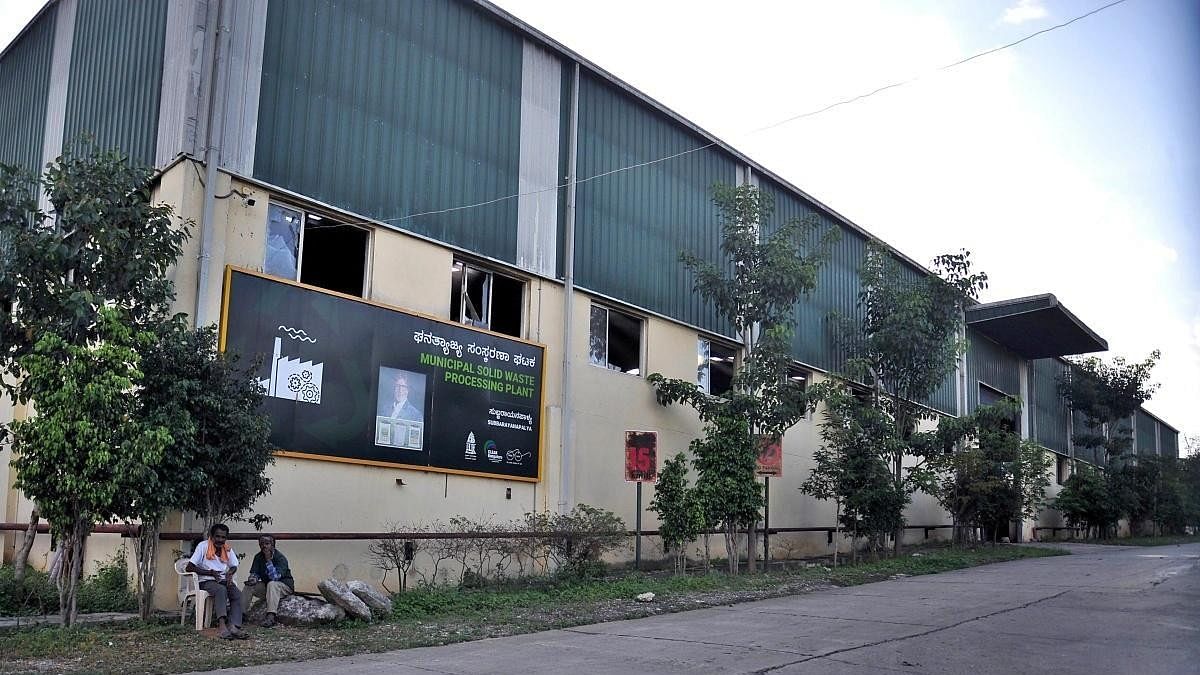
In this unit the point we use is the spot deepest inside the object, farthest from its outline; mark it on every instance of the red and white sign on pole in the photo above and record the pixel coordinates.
(641, 456)
(770, 456)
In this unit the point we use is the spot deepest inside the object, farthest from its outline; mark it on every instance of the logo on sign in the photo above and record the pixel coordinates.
(516, 456)
(493, 452)
(469, 453)
(291, 378)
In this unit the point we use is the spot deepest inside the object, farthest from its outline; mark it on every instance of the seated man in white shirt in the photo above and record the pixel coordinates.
(216, 563)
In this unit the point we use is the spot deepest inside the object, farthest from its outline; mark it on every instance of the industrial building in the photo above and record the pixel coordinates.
(459, 172)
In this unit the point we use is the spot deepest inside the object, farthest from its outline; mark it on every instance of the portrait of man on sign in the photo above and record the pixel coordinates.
(400, 409)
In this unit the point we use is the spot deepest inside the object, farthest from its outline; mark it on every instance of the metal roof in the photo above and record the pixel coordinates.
(1036, 327)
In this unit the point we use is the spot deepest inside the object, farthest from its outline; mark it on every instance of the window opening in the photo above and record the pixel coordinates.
(615, 340)
(799, 376)
(336, 257)
(714, 366)
(486, 299)
(989, 396)
(1062, 469)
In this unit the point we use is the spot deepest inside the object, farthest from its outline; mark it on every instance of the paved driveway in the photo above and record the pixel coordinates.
(1102, 610)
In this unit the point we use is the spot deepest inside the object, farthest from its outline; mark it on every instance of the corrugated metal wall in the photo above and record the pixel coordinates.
(1169, 439)
(395, 108)
(816, 340)
(631, 226)
(116, 76)
(1051, 415)
(1145, 433)
(24, 83)
(991, 364)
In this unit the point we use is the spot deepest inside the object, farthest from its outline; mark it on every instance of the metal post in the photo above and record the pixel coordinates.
(766, 523)
(637, 528)
(566, 476)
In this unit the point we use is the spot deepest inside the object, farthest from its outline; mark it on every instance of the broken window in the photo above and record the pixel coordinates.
(337, 252)
(486, 299)
(615, 340)
(714, 366)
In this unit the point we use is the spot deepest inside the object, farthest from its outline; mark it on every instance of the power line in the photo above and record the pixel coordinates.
(774, 125)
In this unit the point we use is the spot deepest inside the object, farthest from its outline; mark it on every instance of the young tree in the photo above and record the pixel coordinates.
(88, 442)
(680, 514)
(907, 342)
(220, 446)
(755, 288)
(982, 472)
(1107, 394)
(222, 432)
(82, 286)
(1086, 501)
(852, 467)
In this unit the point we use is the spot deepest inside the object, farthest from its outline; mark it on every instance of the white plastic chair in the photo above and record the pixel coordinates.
(190, 591)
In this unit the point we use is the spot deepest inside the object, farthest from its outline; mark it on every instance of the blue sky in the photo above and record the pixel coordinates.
(1068, 164)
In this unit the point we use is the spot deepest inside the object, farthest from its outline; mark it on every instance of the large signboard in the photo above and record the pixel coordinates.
(351, 380)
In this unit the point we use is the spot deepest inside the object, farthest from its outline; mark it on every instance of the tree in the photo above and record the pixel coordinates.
(680, 514)
(216, 463)
(852, 467)
(982, 472)
(88, 443)
(755, 288)
(1086, 501)
(1107, 394)
(78, 294)
(907, 342)
(223, 434)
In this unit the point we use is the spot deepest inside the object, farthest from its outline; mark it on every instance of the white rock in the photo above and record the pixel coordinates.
(645, 597)
(337, 593)
(380, 604)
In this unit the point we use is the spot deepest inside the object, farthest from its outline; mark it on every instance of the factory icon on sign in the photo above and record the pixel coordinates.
(293, 379)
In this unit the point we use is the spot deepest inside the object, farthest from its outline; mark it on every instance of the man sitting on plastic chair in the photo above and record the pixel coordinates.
(216, 563)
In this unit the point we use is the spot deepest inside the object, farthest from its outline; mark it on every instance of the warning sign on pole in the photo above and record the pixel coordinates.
(641, 456)
(770, 456)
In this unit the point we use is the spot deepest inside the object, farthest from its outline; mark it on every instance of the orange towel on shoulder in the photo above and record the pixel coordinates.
(215, 552)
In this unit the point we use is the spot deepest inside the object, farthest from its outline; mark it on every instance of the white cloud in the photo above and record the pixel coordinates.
(1025, 10)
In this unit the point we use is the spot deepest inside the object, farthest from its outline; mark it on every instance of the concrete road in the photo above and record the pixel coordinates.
(1101, 610)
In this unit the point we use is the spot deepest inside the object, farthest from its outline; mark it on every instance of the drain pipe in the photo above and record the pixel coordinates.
(566, 476)
(212, 157)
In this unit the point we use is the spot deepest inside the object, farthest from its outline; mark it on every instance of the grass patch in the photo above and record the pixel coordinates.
(444, 616)
(1170, 540)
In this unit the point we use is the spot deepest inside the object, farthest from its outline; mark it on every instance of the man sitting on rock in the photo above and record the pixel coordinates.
(270, 579)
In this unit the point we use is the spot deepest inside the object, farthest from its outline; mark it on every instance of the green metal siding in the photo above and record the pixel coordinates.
(1170, 441)
(816, 341)
(1051, 415)
(116, 75)
(991, 364)
(1144, 440)
(396, 108)
(631, 226)
(24, 85)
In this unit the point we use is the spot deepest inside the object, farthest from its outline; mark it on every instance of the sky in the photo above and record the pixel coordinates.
(1068, 164)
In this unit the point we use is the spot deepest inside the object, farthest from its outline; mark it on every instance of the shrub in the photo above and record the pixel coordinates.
(577, 541)
(108, 589)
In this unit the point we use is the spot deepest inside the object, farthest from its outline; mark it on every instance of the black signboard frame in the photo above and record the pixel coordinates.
(361, 382)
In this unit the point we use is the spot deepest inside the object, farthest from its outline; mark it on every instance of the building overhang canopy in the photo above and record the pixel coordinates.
(1036, 327)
